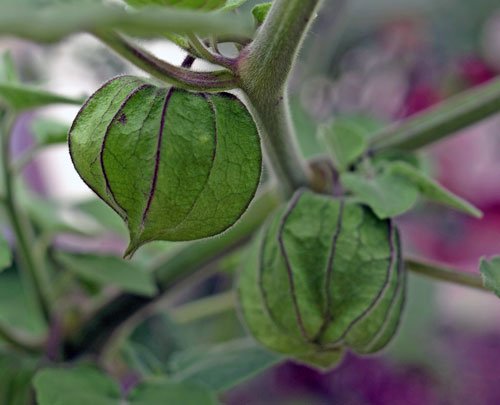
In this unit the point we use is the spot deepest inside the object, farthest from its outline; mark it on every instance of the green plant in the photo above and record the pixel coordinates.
(325, 272)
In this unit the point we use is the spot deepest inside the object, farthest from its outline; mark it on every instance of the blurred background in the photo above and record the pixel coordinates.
(394, 59)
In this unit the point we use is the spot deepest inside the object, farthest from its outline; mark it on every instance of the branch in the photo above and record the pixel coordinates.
(447, 274)
(177, 76)
(264, 68)
(203, 52)
(56, 21)
(446, 118)
(34, 270)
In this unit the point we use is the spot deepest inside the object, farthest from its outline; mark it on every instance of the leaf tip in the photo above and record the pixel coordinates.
(477, 213)
(131, 249)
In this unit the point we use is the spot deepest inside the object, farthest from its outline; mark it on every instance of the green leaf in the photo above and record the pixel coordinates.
(77, 386)
(102, 214)
(223, 366)
(5, 254)
(386, 194)
(205, 5)
(166, 392)
(49, 132)
(174, 165)
(24, 97)
(260, 12)
(490, 271)
(432, 190)
(50, 217)
(395, 188)
(54, 22)
(347, 138)
(17, 372)
(17, 308)
(324, 275)
(109, 270)
(86, 385)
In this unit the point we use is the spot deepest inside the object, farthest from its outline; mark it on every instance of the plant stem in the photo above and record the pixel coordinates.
(21, 228)
(218, 80)
(204, 307)
(446, 118)
(264, 68)
(205, 53)
(94, 335)
(447, 274)
(20, 340)
(61, 20)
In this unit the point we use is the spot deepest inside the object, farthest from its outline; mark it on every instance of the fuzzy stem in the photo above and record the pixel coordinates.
(264, 68)
(178, 76)
(441, 121)
(439, 272)
(204, 307)
(205, 53)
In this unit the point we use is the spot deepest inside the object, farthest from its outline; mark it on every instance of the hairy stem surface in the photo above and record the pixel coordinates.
(181, 77)
(439, 272)
(264, 68)
(443, 120)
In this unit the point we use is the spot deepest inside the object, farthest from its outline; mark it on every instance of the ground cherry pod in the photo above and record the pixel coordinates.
(175, 165)
(324, 276)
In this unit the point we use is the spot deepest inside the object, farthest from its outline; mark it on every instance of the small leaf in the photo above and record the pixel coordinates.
(347, 138)
(175, 165)
(23, 97)
(49, 132)
(345, 142)
(223, 366)
(109, 270)
(490, 271)
(432, 190)
(77, 386)
(5, 254)
(386, 194)
(166, 392)
(395, 187)
(260, 12)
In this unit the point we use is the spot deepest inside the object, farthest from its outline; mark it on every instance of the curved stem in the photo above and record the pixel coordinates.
(203, 52)
(443, 273)
(21, 229)
(20, 340)
(178, 76)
